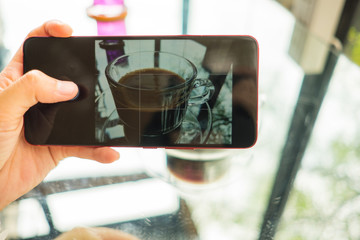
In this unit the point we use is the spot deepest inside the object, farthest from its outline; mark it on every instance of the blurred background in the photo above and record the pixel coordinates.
(300, 181)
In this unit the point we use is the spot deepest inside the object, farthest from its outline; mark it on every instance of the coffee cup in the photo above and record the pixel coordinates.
(194, 172)
(200, 166)
(152, 91)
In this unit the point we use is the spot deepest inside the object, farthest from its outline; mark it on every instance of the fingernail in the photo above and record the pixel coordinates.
(66, 88)
(76, 96)
(58, 22)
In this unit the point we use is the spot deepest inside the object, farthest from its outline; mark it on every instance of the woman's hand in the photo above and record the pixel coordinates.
(22, 165)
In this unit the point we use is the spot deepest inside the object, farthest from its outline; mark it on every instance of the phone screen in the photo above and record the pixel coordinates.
(146, 91)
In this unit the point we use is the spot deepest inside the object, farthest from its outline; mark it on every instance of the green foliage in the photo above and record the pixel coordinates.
(302, 203)
(352, 49)
(310, 215)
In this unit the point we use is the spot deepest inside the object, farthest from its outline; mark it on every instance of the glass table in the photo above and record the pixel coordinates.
(300, 180)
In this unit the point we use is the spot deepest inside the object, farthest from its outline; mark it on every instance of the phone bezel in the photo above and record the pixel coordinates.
(28, 49)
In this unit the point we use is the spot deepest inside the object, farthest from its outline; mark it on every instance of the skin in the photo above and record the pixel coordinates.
(24, 166)
(96, 233)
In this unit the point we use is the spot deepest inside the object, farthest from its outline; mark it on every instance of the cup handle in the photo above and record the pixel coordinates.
(202, 91)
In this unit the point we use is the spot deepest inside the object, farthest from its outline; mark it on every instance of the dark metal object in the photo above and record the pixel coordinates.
(311, 96)
(177, 225)
(47, 188)
(347, 19)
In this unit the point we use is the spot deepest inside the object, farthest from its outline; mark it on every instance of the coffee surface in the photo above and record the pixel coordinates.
(151, 79)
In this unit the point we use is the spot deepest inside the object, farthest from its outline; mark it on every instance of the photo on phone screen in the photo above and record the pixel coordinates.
(183, 91)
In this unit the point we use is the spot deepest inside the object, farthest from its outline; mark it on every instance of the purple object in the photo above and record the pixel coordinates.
(113, 48)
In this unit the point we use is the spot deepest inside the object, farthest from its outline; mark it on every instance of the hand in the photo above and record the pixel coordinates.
(24, 166)
(98, 233)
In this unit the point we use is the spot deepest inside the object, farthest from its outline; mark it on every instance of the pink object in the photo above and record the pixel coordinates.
(110, 16)
(111, 28)
(108, 2)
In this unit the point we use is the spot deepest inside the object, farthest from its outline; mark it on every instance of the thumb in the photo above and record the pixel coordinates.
(31, 88)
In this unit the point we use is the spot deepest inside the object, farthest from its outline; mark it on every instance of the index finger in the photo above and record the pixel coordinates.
(54, 28)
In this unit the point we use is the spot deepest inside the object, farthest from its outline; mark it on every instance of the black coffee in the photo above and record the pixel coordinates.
(151, 79)
(197, 171)
(151, 101)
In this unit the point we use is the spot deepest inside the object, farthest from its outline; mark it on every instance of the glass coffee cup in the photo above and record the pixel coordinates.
(152, 91)
(196, 172)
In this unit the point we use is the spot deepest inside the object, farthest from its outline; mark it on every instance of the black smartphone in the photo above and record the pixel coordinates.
(148, 91)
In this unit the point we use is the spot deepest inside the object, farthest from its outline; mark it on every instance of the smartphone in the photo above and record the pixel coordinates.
(148, 91)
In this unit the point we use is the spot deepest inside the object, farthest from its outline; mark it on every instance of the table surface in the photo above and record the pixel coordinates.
(308, 124)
